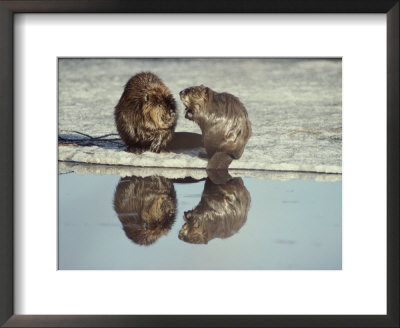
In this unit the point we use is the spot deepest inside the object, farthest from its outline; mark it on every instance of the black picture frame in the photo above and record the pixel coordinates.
(10, 7)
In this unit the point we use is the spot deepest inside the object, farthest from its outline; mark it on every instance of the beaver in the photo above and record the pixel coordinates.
(222, 211)
(146, 207)
(146, 115)
(223, 121)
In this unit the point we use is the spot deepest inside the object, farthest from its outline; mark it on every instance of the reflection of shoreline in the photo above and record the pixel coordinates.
(174, 173)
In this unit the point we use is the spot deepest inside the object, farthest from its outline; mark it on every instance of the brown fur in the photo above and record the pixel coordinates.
(222, 118)
(222, 211)
(146, 115)
(146, 207)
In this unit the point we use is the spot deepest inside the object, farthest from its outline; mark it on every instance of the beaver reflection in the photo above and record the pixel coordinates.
(222, 211)
(146, 207)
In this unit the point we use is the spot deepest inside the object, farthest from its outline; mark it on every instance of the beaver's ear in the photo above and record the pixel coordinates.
(146, 97)
(188, 216)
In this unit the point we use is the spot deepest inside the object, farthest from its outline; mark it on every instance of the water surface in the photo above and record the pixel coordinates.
(271, 224)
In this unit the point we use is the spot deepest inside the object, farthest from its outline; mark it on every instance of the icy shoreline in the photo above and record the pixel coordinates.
(65, 167)
(185, 160)
(294, 106)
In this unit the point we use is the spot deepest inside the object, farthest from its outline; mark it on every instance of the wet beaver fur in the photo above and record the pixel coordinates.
(146, 115)
(223, 120)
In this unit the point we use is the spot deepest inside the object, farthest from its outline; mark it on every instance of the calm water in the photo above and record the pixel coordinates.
(109, 222)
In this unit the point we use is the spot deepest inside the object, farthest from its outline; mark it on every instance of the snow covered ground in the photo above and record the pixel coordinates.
(175, 173)
(294, 106)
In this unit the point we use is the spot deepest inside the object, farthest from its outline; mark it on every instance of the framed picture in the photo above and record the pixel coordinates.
(79, 237)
